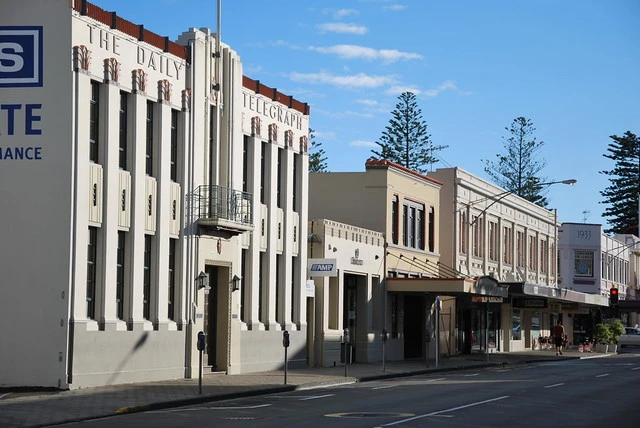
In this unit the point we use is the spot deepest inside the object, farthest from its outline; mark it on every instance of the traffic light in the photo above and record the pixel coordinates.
(613, 296)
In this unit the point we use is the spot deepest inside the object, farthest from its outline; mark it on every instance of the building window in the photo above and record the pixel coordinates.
(261, 282)
(296, 168)
(516, 325)
(94, 122)
(263, 171)
(493, 241)
(120, 267)
(583, 263)
(278, 290)
(149, 137)
(172, 281)
(124, 99)
(280, 178)
(294, 275)
(394, 219)
(432, 229)
(478, 236)
(533, 252)
(520, 249)
(174, 145)
(245, 164)
(92, 259)
(146, 287)
(464, 230)
(413, 226)
(507, 245)
(243, 282)
(544, 256)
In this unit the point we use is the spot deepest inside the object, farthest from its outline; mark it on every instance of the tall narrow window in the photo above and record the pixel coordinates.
(263, 171)
(124, 99)
(245, 164)
(394, 219)
(261, 281)
(464, 231)
(243, 282)
(120, 260)
(280, 172)
(520, 248)
(92, 254)
(432, 229)
(493, 241)
(174, 145)
(544, 256)
(279, 308)
(171, 294)
(146, 281)
(296, 168)
(478, 236)
(293, 288)
(149, 151)
(533, 252)
(94, 122)
(507, 245)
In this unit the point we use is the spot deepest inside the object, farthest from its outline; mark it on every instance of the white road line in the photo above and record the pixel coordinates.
(636, 368)
(603, 375)
(445, 411)
(472, 374)
(554, 385)
(385, 387)
(316, 397)
(435, 380)
(9, 393)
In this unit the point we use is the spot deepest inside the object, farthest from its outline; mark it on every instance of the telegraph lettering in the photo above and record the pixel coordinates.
(20, 56)
(28, 115)
(272, 111)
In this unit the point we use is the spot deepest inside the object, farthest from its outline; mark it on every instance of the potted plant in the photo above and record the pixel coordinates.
(616, 328)
(602, 336)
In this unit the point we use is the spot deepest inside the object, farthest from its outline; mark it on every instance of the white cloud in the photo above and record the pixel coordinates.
(359, 80)
(434, 92)
(341, 13)
(341, 27)
(361, 52)
(399, 89)
(362, 143)
(369, 103)
(395, 7)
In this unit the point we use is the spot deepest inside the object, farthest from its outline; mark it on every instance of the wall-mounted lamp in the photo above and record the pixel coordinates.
(377, 257)
(235, 283)
(202, 281)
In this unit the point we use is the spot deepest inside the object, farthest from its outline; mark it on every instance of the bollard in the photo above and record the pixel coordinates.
(385, 336)
(285, 343)
(201, 345)
(346, 339)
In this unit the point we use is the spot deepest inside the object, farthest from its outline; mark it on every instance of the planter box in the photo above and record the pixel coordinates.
(601, 348)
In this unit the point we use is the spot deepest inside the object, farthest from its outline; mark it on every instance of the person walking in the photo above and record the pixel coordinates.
(558, 336)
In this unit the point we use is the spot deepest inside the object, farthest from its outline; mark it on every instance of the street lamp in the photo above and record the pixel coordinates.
(504, 194)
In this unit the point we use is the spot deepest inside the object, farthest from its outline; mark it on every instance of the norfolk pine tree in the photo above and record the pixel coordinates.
(517, 170)
(405, 140)
(317, 158)
(624, 190)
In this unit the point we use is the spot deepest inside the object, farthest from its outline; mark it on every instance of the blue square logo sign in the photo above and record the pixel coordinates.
(20, 57)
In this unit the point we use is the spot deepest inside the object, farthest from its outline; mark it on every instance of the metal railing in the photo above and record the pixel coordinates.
(214, 203)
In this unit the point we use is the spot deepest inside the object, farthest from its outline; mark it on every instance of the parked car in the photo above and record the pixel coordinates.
(631, 336)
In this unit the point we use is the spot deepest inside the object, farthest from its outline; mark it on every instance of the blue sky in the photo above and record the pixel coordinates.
(571, 67)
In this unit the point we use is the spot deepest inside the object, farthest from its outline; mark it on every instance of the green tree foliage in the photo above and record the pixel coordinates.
(518, 168)
(317, 158)
(405, 140)
(624, 189)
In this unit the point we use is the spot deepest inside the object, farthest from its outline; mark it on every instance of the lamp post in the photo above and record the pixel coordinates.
(501, 196)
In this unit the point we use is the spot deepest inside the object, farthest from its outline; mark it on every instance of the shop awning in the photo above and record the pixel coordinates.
(483, 286)
(561, 295)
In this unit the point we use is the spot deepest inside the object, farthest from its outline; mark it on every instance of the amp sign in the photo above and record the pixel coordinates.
(322, 267)
(20, 57)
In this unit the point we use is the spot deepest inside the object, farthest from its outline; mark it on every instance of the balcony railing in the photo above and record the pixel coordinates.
(223, 208)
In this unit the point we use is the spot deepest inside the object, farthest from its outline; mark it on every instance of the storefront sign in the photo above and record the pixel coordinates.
(523, 302)
(322, 267)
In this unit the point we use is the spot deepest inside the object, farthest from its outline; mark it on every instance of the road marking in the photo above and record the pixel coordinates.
(446, 411)
(603, 375)
(472, 374)
(554, 385)
(195, 409)
(9, 393)
(385, 387)
(636, 368)
(316, 397)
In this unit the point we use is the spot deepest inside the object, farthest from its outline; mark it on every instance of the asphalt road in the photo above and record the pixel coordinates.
(587, 393)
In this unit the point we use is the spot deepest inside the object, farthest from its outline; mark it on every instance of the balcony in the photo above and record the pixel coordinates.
(222, 209)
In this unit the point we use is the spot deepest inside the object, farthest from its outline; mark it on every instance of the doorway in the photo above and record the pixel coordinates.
(350, 314)
(414, 320)
(211, 317)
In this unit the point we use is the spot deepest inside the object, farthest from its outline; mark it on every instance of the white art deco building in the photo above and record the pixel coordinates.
(130, 164)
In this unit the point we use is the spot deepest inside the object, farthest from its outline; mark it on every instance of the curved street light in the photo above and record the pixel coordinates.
(503, 195)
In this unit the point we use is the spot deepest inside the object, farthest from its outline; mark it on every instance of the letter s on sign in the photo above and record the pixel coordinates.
(16, 62)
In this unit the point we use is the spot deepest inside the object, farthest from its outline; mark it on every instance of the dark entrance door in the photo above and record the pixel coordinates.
(210, 317)
(414, 311)
(350, 312)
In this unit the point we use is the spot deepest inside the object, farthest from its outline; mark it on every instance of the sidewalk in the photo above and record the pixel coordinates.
(34, 409)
